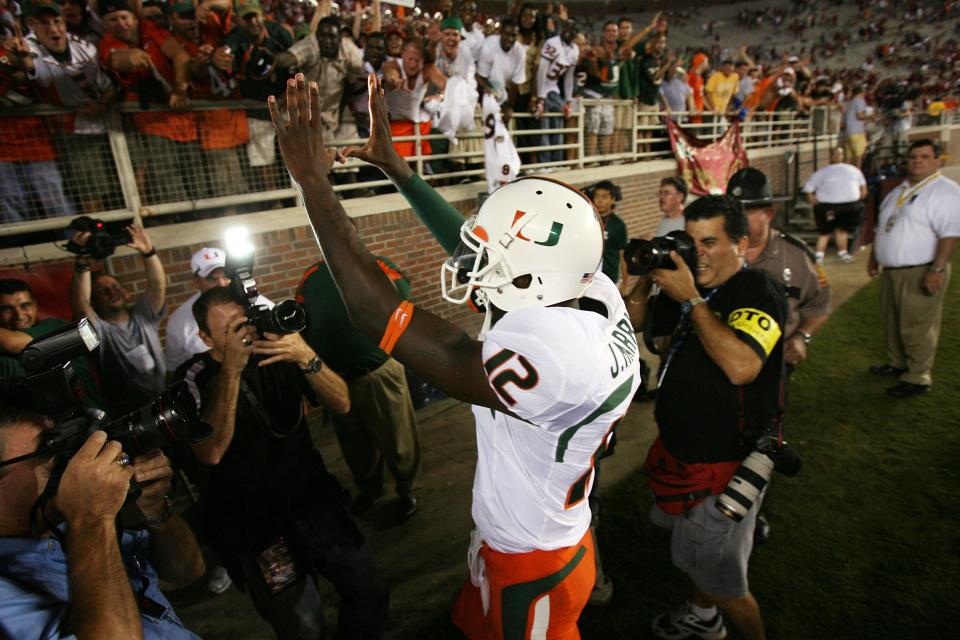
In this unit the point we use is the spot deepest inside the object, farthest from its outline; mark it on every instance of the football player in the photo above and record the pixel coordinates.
(552, 374)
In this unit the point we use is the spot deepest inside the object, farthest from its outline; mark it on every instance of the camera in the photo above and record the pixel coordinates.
(769, 454)
(287, 316)
(103, 240)
(644, 256)
(54, 390)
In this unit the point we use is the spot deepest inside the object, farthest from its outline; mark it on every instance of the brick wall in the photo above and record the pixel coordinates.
(283, 255)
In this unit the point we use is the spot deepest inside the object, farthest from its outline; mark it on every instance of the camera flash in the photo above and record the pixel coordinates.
(238, 242)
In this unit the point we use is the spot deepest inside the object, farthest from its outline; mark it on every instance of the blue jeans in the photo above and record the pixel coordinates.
(553, 102)
(43, 178)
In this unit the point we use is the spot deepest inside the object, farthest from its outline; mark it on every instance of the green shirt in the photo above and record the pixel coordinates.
(648, 87)
(329, 330)
(10, 366)
(614, 241)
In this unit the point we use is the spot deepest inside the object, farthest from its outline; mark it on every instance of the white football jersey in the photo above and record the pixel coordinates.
(568, 376)
(500, 158)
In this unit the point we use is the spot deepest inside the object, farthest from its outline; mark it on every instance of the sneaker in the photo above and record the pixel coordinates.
(819, 257)
(602, 593)
(846, 258)
(407, 506)
(683, 623)
(219, 580)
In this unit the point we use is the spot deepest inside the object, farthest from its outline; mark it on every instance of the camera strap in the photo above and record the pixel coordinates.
(683, 329)
(262, 416)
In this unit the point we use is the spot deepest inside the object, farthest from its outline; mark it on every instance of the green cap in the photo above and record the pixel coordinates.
(452, 22)
(183, 7)
(34, 8)
(245, 7)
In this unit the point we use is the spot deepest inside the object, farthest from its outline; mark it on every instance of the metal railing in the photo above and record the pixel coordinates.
(221, 158)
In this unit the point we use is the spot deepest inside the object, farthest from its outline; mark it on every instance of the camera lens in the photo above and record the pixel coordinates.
(287, 316)
(171, 418)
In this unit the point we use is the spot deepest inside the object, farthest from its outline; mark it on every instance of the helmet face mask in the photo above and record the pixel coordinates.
(532, 227)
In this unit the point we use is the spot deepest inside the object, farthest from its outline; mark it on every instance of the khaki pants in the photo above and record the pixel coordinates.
(911, 321)
(381, 428)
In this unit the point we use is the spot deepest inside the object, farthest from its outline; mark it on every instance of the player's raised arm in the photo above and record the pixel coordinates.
(440, 217)
(437, 350)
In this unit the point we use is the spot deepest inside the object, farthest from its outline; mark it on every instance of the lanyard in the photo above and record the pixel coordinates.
(683, 329)
(906, 195)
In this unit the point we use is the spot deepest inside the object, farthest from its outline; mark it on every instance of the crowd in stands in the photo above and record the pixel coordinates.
(159, 57)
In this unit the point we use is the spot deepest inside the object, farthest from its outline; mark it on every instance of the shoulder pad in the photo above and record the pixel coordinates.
(800, 244)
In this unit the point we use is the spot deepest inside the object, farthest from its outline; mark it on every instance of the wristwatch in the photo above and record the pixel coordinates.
(314, 366)
(687, 305)
(807, 337)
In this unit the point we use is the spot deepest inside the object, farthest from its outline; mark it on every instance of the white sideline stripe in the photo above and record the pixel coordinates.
(541, 619)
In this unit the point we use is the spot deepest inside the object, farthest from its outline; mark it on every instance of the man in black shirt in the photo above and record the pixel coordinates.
(275, 516)
(720, 379)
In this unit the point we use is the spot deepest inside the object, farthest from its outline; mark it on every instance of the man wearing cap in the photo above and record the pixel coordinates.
(836, 192)
(255, 43)
(183, 341)
(721, 87)
(787, 259)
(66, 71)
(153, 70)
(917, 232)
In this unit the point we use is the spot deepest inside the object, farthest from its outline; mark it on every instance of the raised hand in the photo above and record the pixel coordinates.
(378, 150)
(301, 136)
(139, 240)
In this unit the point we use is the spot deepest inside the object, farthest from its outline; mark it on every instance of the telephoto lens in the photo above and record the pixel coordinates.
(745, 486)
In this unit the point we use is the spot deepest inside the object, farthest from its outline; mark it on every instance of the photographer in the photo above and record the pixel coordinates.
(130, 356)
(89, 586)
(720, 380)
(275, 516)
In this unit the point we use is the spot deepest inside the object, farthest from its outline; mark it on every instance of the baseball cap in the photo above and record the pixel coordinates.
(751, 187)
(246, 7)
(184, 7)
(111, 6)
(451, 22)
(206, 260)
(793, 59)
(34, 8)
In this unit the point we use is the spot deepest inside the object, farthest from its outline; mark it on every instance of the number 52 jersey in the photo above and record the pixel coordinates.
(567, 377)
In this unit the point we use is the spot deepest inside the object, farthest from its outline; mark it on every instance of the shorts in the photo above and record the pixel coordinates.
(846, 216)
(710, 547)
(855, 144)
(407, 148)
(538, 594)
(600, 119)
(262, 146)
(648, 119)
(623, 116)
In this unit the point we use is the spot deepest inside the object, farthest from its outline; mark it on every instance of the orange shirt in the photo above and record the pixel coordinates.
(23, 138)
(173, 125)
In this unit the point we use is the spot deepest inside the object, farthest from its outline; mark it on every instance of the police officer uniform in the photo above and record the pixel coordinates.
(785, 257)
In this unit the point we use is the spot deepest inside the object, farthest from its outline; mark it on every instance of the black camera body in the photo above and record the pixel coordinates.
(287, 316)
(644, 256)
(55, 392)
(103, 240)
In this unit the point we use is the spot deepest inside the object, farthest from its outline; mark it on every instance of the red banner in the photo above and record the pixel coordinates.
(707, 166)
(50, 282)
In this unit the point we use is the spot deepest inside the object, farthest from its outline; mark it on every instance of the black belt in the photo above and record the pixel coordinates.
(353, 374)
(912, 266)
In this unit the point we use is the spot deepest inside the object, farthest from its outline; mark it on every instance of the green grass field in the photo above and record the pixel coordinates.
(865, 541)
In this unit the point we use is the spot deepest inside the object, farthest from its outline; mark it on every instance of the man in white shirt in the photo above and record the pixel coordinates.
(501, 68)
(917, 232)
(471, 31)
(558, 62)
(836, 193)
(208, 268)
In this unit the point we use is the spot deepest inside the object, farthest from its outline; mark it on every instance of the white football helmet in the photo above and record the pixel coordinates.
(532, 226)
